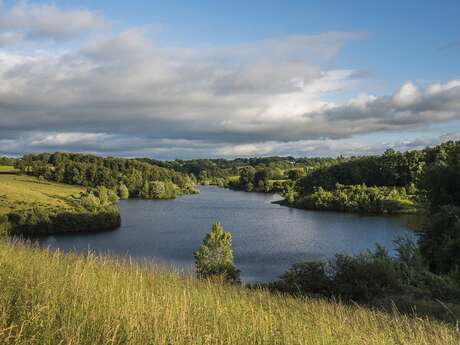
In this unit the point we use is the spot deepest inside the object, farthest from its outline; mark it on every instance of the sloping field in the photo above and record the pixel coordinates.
(52, 298)
(6, 168)
(19, 192)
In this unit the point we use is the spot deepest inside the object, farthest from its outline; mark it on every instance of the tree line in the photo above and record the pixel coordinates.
(130, 178)
(9, 161)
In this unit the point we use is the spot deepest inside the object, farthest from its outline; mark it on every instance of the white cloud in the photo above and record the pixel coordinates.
(246, 150)
(126, 84)
(406, 95)
(437, 87)
(40, 20)
(63, 139)
(124, 94)
(9, 37)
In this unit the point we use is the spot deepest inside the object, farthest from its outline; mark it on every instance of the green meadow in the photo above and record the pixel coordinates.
(7, 169)
(52, 298)
(22, 192)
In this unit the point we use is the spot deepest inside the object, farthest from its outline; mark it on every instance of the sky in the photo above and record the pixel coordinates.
(206, 79)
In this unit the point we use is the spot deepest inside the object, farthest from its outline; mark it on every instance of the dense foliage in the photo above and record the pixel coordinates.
(233, 173)
(8, 161)
(376, 278)
(360, 198)
(141, 179)
(440, 242)
(304, 182)
(390, 169)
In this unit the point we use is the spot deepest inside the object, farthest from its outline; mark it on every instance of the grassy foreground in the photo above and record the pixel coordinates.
(21, 192)
(51, 298)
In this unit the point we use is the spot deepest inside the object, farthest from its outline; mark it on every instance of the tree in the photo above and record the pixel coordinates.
(305, 277)
(215, 256)
(157, 189)
(247, 177)
(295, 174)
(145, 191)
(123, 191)
(440, 243)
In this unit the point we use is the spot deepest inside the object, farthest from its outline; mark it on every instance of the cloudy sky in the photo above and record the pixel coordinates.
(183, 79)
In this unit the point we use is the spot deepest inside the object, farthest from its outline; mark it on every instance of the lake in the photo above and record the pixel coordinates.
(267, 237)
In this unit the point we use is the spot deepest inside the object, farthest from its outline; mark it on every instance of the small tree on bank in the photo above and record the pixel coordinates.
(215, 256)
(123, 191)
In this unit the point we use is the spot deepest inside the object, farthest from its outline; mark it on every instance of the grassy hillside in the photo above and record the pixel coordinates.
(7, 168)
(51, 298)
(29, 205)
(20, 192)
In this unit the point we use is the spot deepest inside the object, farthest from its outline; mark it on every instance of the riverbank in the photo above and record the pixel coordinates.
(361, 199)
(49, 298)
(171, 230)
(29, 205)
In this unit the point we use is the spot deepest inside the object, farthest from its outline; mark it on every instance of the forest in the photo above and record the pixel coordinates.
(389, 183)
(128, 177)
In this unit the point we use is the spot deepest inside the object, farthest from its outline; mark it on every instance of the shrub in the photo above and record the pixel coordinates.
(440, 243)
(305, 278)
(373, 277)
(123, 191)
(365, 276)
(215, 256)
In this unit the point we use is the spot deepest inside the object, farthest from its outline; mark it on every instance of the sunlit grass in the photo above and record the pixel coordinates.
(7, 168)
(50, 298)
(18, 192)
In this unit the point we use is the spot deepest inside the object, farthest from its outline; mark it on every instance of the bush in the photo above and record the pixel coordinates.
(366, 276)
(305, 278)
(440, 243)
(123, 191)
(372, 277)
(215, 256)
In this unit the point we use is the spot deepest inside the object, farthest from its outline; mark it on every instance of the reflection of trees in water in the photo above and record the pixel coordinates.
(416, 222)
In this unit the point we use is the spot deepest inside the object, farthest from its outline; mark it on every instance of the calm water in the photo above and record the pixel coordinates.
(267, 238)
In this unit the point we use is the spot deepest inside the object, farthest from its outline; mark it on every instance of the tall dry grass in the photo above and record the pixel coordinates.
(52, 298)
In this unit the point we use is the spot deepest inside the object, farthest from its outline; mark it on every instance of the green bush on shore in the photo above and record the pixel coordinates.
(360, 198)
(375, 278)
